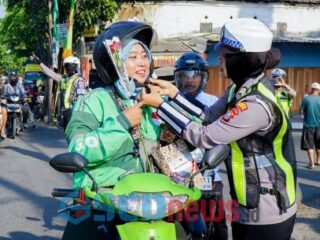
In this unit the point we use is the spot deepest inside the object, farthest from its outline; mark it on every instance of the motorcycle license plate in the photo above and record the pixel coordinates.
(13, 105)
(207, 186)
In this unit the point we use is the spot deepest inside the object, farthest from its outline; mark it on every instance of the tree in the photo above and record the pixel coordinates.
(24, 29)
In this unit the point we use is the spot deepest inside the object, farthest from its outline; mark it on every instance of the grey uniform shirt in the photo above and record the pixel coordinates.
(47, 71)
(226, 127)
(79, 85)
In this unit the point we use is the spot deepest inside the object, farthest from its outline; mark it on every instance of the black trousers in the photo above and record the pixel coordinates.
(218, 229)
(279, 231)
(66, 117)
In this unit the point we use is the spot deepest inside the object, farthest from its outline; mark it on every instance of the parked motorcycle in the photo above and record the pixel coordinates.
(15, 115)
(147, 200)
(39, 105)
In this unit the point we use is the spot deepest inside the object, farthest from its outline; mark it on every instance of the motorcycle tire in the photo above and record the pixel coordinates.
(21, 125)
(13, 127)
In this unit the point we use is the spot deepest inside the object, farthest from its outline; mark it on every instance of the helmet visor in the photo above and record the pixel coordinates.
(71, 67)
(191, 81)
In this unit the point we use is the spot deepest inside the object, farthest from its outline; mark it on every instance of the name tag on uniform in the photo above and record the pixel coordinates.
(207, 186)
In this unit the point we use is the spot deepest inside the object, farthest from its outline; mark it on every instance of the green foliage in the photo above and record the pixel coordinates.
(25, 28)
(93, 12)
(10, 59)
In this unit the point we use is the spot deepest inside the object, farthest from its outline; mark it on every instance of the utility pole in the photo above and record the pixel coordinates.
(49, 84)
(8, 52)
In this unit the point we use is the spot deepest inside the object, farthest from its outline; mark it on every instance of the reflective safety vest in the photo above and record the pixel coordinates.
(66, 90)
(284, 101)
(274, 144)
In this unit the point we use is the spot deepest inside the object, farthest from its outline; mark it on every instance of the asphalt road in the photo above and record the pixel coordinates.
(27, 210)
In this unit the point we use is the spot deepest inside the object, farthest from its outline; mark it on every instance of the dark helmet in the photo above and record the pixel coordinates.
(191, 64)
(13, 78)
(13, 74)
(125, 31)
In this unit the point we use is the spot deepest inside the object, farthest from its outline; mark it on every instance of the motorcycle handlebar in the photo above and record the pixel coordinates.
(63, 192)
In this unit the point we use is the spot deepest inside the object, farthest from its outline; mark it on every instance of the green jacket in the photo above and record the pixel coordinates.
(99, 131)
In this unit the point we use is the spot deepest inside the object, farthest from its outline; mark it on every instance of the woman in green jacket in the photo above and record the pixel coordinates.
(102, 123)
(114, 132)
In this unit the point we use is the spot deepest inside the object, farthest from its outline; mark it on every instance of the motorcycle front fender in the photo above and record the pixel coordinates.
(145, 230)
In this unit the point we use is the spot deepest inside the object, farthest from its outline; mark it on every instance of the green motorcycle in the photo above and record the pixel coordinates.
(145, 201)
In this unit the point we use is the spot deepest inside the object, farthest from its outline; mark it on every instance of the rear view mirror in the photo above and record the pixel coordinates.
(214, 156)
(69, 162)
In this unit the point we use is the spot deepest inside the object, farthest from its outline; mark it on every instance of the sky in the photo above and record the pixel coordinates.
(2, 11)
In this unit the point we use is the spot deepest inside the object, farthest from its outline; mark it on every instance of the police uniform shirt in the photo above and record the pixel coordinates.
(233, 126)
(224, 127)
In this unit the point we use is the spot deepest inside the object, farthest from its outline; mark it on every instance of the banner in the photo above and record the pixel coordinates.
(62, 33)
(55, 17)
(67, 49)
(85, 66)
(55, 42)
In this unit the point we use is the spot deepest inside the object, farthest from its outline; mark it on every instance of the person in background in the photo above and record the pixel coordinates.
(72, 85)
(310, 139)
(12, 88)
(191, 78)
(284, 93)
(3, 82)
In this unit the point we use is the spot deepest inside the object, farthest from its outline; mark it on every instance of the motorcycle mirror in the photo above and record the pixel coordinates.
(214, 156)
(72, 163)
(69, 162)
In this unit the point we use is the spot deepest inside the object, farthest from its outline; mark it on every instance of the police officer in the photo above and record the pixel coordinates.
(72, 85)
(261, 166)
(191, 77)
(284, 93)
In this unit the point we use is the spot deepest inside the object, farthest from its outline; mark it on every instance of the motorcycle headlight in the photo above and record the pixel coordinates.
(14, 98)
(150, 205)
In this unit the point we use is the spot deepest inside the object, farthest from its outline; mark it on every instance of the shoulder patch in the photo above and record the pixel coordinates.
(232, 112)
(242, 106)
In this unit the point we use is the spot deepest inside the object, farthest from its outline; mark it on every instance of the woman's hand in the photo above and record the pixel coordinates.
(134, 114)
(153, 98)
(167, 88)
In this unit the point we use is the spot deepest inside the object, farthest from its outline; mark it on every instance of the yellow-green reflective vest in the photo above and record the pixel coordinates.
(66, 90)
(284, 101)
(274, 144)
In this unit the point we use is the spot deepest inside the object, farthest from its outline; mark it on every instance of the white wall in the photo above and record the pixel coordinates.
(172, 19)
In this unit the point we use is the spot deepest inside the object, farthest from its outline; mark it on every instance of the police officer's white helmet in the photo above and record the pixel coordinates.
(246, 35)
(71, 60)
(278, 72)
